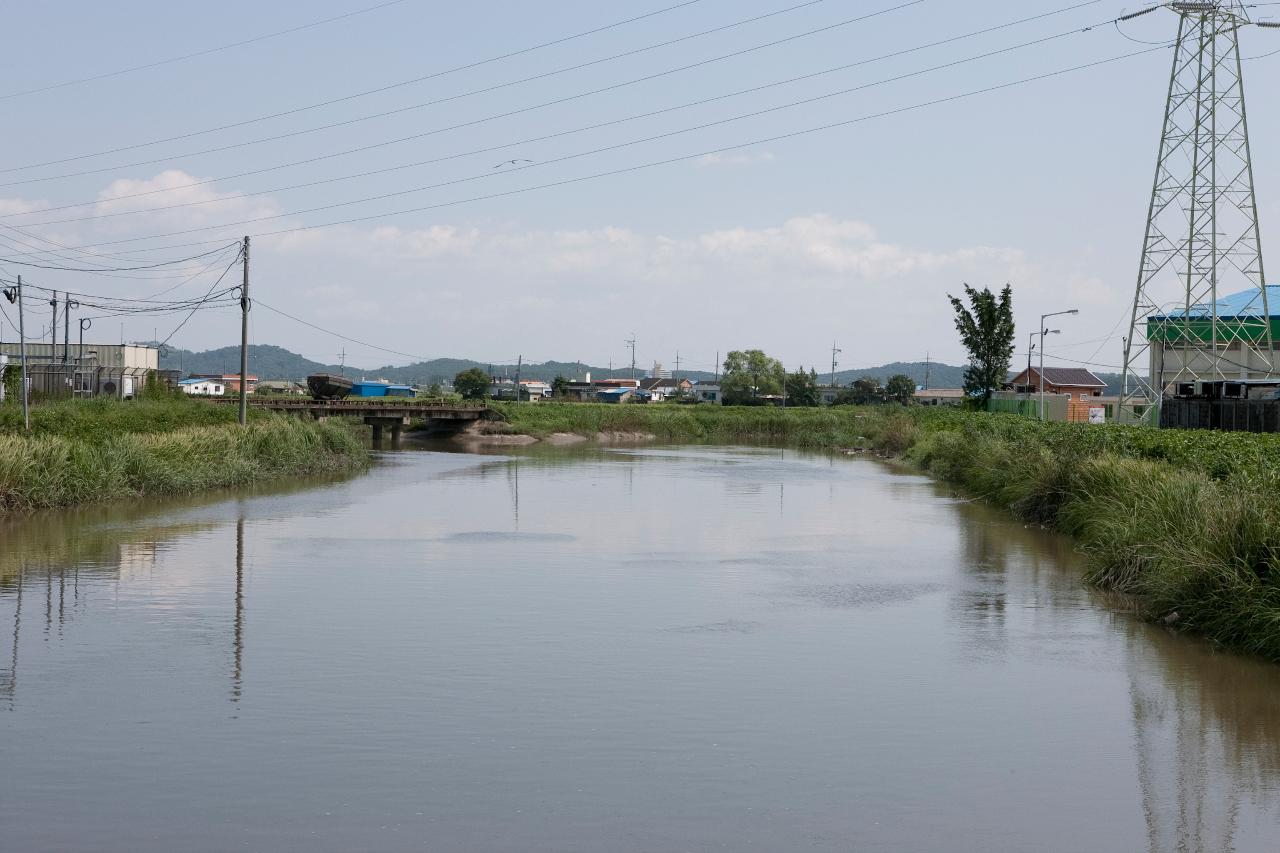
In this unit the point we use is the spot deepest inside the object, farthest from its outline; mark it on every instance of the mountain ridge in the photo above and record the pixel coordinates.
(268, 362)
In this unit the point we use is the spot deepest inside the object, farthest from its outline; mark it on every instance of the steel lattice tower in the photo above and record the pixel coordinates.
(1202, 241)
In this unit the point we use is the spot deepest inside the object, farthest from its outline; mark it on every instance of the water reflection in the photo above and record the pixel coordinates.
(1205, 732)
(237, 638)
(1206, 724)
(561, 650)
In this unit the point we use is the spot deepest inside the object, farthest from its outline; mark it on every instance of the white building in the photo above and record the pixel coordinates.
(708, 392)
(203, 387)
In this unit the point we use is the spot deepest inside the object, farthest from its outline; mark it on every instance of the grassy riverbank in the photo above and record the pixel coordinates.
(813, 428)
(88, 451)
(1186, 522)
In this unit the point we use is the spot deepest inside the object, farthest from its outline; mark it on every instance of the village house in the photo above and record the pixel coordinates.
(1082, 389)
(940, 396)
(203, 387)
(230, 380)
(708, 391)
(664, 387)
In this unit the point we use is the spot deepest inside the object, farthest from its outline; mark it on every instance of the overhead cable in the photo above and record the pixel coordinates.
(634, 117)
(380, 89)
(611, 172)
(196, 54)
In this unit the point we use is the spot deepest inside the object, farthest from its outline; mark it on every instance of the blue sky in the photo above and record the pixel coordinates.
(854, 234)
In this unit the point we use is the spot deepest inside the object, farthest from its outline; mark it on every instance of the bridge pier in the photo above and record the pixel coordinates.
(395, 424)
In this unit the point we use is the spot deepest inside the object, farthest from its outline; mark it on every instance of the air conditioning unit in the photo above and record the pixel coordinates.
(1234, 390)
(1207, 389)
(1184, 389)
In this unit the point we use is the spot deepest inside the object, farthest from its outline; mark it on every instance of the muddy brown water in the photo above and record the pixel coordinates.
(605, 650)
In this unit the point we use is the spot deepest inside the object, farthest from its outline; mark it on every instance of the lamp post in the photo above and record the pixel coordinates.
(1032, 349)
(1043, 331)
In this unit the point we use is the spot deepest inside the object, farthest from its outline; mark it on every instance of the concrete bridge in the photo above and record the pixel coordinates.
(383, 414)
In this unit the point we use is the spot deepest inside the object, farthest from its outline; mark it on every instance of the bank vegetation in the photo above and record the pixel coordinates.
(81, 452)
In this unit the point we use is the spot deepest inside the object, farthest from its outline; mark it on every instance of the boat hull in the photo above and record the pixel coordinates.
(327, 386)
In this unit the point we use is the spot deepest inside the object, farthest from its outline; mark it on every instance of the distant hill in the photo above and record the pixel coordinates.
(939, 375)
(272, 362)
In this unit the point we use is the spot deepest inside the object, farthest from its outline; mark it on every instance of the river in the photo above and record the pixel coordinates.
(606, 650)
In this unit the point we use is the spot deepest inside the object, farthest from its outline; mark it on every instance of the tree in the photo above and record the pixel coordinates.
(867, 390)
(749, 374)
(472, 384)
(559, 386)
(986, 330)
(802, 388)
(901, 388)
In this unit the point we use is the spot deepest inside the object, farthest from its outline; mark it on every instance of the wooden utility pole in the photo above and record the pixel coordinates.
(22, 349)
(68, 304)
(244, 335)
(926, 369)
(519, 364)
(53, 329)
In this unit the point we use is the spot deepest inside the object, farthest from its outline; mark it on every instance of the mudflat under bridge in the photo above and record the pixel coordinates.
(382, 414)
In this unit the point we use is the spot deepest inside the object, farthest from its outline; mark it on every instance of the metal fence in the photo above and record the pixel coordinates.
(53, 381)
(1231, 415)
(1028, 405)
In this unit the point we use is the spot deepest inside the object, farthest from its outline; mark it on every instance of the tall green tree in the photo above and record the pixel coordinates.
(472, 384)
(986, 330)
(802, 388)
(559, 386)
(900, 388)
(749, 374)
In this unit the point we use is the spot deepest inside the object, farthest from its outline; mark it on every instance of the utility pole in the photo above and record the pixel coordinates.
(519, 364)
(68, 304)
(717, 367)
(834, 352)
(53, 330)
(631, 342)
(14, 295)
(926, 369)
(86, 322)
(244, 335)
(342, 365)
(676, 379)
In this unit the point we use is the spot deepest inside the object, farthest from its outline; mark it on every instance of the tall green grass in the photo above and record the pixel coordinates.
(100, 418)
(1187, 523)
(47, 469)
(813, 428)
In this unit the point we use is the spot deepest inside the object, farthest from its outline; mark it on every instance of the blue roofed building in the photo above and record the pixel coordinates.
(1182, 348)
(368, 388)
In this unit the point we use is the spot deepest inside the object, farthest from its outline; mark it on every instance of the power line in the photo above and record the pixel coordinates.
(207, 296)
(611, 172)
(262, 304)
(114, 269)
(378, 90)
(596, 126)
(562, 100)
(196, 54)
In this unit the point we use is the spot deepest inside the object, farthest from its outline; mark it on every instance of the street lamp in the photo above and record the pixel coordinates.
(1043, 331)
(1033, 336)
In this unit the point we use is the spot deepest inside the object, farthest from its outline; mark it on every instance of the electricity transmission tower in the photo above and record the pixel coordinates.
(1202, 241)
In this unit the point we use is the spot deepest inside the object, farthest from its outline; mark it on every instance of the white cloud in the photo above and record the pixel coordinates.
(495, 291)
